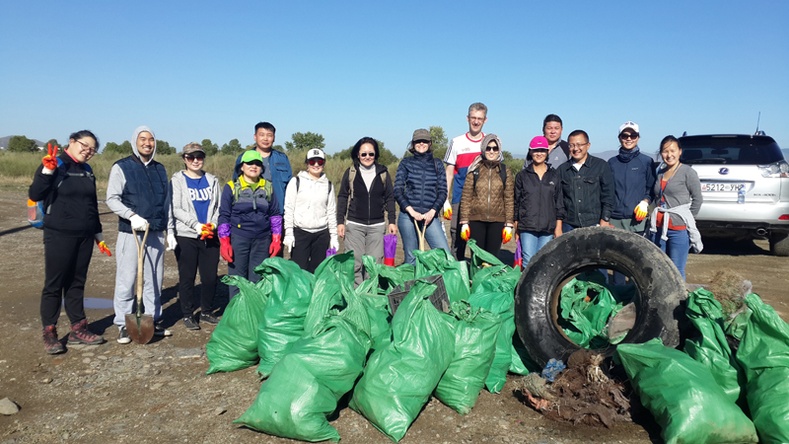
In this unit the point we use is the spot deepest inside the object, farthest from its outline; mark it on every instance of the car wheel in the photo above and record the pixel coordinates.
(779, 244)
(660, 288)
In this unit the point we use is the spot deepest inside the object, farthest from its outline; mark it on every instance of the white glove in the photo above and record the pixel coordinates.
(288, 242)
(334, 243)
(138, 223)
(171, 242)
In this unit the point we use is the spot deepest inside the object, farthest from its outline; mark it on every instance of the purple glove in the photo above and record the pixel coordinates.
(224, 230)
(276, 224)
(390, 249)
(331, 252)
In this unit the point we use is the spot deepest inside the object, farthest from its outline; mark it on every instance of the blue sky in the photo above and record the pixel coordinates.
(193, 70)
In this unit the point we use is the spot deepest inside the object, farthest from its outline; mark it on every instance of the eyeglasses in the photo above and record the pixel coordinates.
(318, 162)
(476, 119)
(191, 158)
(577, 145)
(625, 136)
(366, 154)
(255, 163)
(417, 142)
(493, 148)
(85, 146)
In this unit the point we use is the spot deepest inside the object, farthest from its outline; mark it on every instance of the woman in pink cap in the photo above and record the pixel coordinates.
(539, 208)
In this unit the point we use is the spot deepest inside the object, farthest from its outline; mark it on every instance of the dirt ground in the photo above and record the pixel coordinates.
(160, 393)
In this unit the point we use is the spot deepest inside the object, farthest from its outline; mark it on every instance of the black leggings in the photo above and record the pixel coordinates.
(487, 235)
(193, 254)
(309, 249)
(66, 261)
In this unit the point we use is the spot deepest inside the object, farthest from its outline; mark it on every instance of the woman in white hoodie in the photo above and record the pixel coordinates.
(310, 214)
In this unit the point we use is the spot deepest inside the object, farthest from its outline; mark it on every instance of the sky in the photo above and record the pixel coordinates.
(196, 70)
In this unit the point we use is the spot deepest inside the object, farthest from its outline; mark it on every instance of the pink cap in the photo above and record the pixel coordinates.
(538, 143)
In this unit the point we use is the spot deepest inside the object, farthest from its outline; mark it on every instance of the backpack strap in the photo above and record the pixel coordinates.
(502, 174)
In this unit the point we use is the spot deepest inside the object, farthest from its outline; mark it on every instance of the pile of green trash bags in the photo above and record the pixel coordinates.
(703, 395)
(316, 339)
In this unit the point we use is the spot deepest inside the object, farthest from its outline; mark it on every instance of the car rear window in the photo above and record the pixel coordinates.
(730, 150)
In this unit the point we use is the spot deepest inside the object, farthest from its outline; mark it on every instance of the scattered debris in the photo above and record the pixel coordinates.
(730, 290)
(8, 407)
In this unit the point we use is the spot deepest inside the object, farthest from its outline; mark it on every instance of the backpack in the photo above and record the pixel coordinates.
(36, 210)
(502, 173)
(236, 190)
(328, 192)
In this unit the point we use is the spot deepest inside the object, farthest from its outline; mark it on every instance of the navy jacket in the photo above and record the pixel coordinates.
(281, 173)
(421, 183)
(538, 203)
(588, 193)
(146, 192)
(634, 177)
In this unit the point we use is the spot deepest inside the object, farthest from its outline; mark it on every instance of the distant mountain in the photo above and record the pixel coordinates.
(4, 142)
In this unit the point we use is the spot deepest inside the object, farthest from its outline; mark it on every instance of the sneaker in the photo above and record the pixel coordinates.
(52, 344)
(80, 334)
(123, 335)
(158, 330)
(190, 323)
(208, 318)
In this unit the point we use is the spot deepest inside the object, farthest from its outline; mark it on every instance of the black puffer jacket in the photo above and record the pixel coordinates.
(420, 183)
(538, 203)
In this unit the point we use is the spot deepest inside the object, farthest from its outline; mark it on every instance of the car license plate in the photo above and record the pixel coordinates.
(721, 187)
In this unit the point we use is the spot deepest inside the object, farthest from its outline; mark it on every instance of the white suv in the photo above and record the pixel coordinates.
(745, 184)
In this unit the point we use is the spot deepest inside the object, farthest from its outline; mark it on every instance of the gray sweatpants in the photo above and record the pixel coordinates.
(126, 275)
(364, 240)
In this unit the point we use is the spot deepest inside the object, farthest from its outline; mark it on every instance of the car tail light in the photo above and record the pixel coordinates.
(778, 169)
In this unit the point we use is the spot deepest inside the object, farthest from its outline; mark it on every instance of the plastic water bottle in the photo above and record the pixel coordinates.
(741, 195)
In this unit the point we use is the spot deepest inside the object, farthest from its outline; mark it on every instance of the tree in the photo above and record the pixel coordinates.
(386, 157)
(440, 142)
(233, 147)
(53, 142)
(162, 147)
(21, 144)
(114, 148)
(304, 142)
(209, 147)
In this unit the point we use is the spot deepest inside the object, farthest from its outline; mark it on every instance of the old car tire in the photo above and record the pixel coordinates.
(779, 244)
(659, 283)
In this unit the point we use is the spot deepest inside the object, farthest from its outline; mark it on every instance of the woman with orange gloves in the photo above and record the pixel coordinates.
(250, 224)
(487, 202)
(193, 217)
(66, 185)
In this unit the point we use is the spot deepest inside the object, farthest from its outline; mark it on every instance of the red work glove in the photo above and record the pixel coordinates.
(207, 231)
(276, 245)
(102, 246)
(50, 161)
(225, 249)
(506, 234)
(465, 232)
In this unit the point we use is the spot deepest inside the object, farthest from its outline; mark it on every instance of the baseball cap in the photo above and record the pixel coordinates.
(538, 143)
(628, 124)
(250, 156)
(316, 153)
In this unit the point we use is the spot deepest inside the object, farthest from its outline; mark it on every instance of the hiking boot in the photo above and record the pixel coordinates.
(190, 323)
(158, 330)
(123, 335)
(81, 335)
(208, 318)
(52, 344)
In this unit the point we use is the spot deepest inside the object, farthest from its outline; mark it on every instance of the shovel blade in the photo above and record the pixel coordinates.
(139, 327)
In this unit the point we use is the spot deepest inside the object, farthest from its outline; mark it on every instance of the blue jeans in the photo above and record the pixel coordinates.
(531, 242)
(247, 255)
(434, 236)
(677, 247)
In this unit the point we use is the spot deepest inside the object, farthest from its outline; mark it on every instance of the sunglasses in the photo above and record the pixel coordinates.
(318, 162)
(192, 158)
(256, 163)
(366, 154)
(625, 136)
(417, 142)
(494, 148)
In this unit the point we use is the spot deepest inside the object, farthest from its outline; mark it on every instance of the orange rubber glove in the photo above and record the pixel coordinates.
(276, 245)
(225, 249)
(104, 248)
(50, 161)
(447, 210)
(207, 231)
(641, 211)
(465, 232)
(506, 234)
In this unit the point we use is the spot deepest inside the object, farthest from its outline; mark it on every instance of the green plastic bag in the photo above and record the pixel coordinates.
(454, 273)
(475, 345)
(503, 305)
(586, 308)
(321, 367)
(711, 347)
(377, 304)
(283, 320)
(234, 343)
(683, 396)
(764, 356)
(398, 379)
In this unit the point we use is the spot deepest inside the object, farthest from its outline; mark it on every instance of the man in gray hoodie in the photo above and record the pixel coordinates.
(138, 193)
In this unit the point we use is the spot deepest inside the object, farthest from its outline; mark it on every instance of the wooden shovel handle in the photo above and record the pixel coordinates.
(140, 262)
(421, 234)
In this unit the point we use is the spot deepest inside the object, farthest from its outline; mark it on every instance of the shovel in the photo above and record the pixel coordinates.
(139, 325)
(421, 234)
